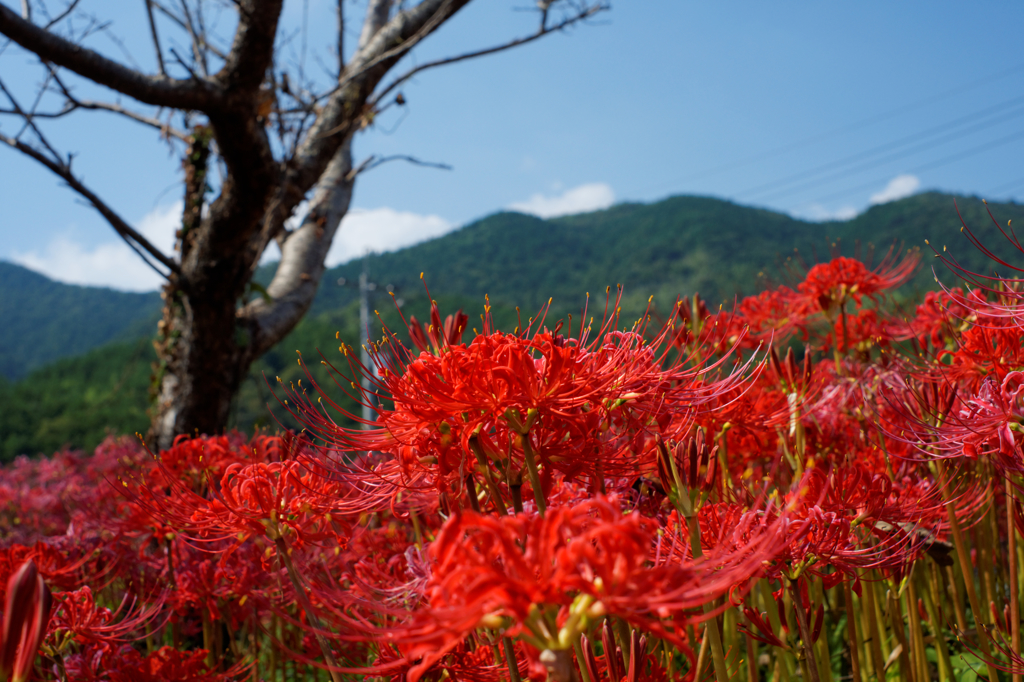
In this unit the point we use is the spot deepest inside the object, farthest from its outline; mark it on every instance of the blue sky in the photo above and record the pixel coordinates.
(813, 109)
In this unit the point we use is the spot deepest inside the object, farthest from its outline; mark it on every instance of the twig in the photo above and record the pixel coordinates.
(67, 10)
(123, 229)
(156, 37)
(374, 161)
(177, 20)
(74, 103)
(583, 14)
(28, 121)
(197, 52)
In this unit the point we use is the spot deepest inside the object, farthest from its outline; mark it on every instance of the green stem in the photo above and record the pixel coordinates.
(851, 632)
(510, 659)
(1011, 532)
(531, 468)
(805, 635)
(907, 671)
(307, 606)
(868, 613)
(711, 626)
(930, 596)
(965, 568)
(492, 487)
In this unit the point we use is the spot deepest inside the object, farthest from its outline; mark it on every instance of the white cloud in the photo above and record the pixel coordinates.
(110, 264)
(382, 229)
(590, 197)
(899, 187)
(818, 213)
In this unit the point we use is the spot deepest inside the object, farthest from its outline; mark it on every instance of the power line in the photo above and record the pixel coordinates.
(944, 161)
(857, 125)
(881, 149)
(1005, 186)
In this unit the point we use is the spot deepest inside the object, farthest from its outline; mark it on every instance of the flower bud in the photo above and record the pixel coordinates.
(26, 615)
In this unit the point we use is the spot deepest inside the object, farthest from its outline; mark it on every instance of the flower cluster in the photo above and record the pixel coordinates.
(671, 501)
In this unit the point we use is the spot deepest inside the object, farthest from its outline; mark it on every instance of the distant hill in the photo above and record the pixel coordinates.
(666, 249)
(670, 248)
(43, 320)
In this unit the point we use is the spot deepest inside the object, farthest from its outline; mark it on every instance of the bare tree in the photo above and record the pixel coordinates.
(276, 144)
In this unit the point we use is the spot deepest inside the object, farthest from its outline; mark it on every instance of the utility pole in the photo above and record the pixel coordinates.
(364, 326)
(366, 290)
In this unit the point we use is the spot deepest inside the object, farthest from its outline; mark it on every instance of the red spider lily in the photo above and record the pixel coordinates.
(544, 577)
(981, 424)
(937, 319)
(437, 335)
(293, 498)
(764, 632)
(54, 565)
(612, 667)
(997, 284)
(829, 285)
(26, 615)
(78, 616)
(272, 500)
(983, 351)
(196, 460)
(774, 314)
(691, 460)
(480, 664)
(509, 404)
(166, 664)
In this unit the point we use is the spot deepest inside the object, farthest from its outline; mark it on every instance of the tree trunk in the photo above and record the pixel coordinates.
(207, 341)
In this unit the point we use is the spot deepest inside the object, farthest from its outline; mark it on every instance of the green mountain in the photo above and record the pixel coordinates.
(670, 248)
(666, 249)
(45, 320)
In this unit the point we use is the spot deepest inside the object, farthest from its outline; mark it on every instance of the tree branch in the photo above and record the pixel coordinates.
(377, 12)
(198, 54)
(294, 286)
(57, 19)
(340, 115)
(123, 229)
(74, 103)
(164, 128)
(584, 13)
(253, 47)
(341, 38)
(373, 161)
(157, 90)
(181, 24)
(156, 37)
(27, 117)
(423, 20)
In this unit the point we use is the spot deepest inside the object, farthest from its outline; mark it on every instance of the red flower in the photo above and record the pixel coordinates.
(26, 615)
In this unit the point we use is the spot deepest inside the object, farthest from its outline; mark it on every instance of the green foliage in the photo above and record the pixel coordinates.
(671, 248)
(77, 401)
(45, 320)
(667, 249)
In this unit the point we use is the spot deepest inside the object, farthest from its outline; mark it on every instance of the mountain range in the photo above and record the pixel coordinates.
(76, 359)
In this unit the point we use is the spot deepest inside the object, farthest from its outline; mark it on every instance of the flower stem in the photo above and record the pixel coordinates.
(531, 468)
(711, 625)
(805, 634)
(510, 659)
(307, 606)
(965, 568)
(851, 632)
(1011, 550)
(492, 487)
